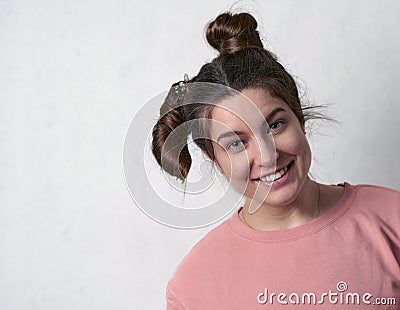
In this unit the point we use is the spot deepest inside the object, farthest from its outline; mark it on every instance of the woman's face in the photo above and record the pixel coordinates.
(261, 148)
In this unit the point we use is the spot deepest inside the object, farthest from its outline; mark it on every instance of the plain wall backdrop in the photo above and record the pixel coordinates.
(72, 76)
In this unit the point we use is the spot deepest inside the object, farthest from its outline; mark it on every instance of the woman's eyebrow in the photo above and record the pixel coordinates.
(229, 134)
(273, 113)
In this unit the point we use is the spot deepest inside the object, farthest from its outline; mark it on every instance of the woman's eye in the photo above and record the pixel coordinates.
(276, 125)
(235, 145)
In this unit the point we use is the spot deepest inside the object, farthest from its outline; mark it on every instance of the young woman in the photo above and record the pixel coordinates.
(294, 242)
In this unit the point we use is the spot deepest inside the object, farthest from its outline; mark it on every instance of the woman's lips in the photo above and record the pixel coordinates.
(278, 178)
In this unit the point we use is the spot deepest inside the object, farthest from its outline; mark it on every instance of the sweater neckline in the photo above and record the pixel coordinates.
(298, 232)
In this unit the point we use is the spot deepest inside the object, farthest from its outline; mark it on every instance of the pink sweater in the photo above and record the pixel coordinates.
(348, 258)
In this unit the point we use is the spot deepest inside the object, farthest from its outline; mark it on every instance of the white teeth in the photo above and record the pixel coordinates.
(274, 176)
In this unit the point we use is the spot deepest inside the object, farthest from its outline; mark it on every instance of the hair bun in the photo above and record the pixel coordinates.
(231, 33)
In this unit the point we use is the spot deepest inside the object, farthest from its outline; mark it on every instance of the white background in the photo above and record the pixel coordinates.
(72, 76)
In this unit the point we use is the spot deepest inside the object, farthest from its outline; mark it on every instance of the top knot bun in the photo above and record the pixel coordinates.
(231, 33)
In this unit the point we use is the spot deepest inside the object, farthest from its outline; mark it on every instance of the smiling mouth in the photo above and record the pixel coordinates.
(275, 176)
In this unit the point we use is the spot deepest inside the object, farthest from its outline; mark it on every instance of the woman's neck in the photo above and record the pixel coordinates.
(306, 207)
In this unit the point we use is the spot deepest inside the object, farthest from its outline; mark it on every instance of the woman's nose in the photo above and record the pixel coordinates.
(265, 153)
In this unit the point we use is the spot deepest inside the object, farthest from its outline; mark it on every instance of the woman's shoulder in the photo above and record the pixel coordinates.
(205, 256)
(364, 198)
(374, 193)
(209, 245)
(377, 203)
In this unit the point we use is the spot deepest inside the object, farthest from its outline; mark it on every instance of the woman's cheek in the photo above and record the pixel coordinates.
(239, 171)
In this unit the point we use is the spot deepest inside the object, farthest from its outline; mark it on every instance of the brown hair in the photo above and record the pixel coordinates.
(242, 63)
